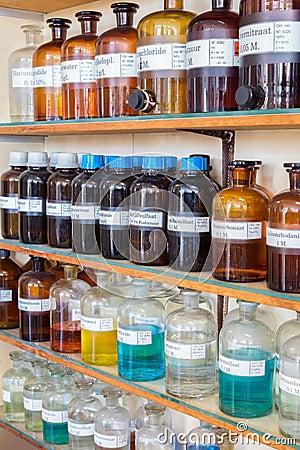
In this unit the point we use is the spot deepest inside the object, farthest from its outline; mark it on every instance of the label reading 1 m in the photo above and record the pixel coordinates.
(212, 53)
(277, 237)
(161, 57)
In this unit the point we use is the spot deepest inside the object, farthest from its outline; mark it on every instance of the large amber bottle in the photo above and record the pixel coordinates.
(47, 73)
(9, 276)
(283, 236)
(161, 57)
(78, 69)
(239, 229)
(116, 71)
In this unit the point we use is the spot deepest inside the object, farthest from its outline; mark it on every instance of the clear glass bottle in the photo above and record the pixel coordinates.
(132, 403)
(246, 365)
(191, 349)
(9, 182)
(112, 423)
(155, 434)
(34, 302)
(32, 199)
(59, 196)
(46, 65)
(78, 69)
(34, 388)
(161, 61)
(140, 323)
(176, 302)
(203, 437)
(10, 273)
(239, 221)
(21, 76)
(81, 416)
(212, 53)
(142, 418)
(13, 381)
(65, 298)
(283, 232)
(115, 61)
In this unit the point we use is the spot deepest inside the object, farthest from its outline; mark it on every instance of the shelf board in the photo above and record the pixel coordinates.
(43, 6)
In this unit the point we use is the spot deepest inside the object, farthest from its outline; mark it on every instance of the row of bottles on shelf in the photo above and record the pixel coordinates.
(179, 61)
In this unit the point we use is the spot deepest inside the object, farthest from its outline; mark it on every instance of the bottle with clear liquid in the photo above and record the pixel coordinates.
(81, 417)
(246, 365)
(212, 53)
(115, 61)
(140, 323)
(78, 69)
(34, 302)
(46, 65)
(155, 434)
(21, 76)
(9, 182)
(203, 437)
(32, 200)
(191, 349)
(12, 388)
(132, 403)
(65, 298)
(10, 273)
(239, 221)
(112, 423)
(283, 232)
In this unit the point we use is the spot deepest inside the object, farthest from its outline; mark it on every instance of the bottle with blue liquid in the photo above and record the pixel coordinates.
(203, 437)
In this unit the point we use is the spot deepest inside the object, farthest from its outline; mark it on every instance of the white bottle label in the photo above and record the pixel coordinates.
(289, 384)
(6, 295)
(81, 212)
(54, 416)
(97, 324)
(78, 71)
(188, 224)
(47, 76)
(212, 53)
(9, 202)
(81, 429)
(283, 238)
(116, 65)
(34, 305)
(161, 57)
(58, 209)
(22, 78)
(242, 368)
(32, 405)
(111, 441)
(6, 396)
(76, 314)
(245, 231)
(131, 337)
(34, 205)
(146, 219)
(184, 351)
(116, 218)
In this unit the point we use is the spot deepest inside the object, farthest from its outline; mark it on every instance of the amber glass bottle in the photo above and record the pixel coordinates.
(34, 303)
(239, 229)
(161, 61)
(283, 236)
(116, 71)
(78, 69)
(212, 52)
(47, 73)
(9, 276)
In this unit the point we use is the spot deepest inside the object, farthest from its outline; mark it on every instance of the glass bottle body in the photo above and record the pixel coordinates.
(203, 437)
(155, 434)
(10, 273)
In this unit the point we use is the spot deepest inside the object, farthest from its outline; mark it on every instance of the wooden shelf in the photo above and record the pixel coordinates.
(43, 6)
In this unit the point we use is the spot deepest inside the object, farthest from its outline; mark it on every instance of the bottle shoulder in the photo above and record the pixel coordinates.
(116, 35)
(79, 46)
(47, 53)
(214, 20)
(34, 175)
(165, 23)
(250, 332)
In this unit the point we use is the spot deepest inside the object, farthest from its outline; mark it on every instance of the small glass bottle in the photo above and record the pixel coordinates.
(12, 388)
(155, 434)
(246, 365)
(65, 298)
(10, 273)
(21, 76)
(78, 69)
(140, 322)
(32, 200)
(115, 61)
(239, 221)
(203, 437)
(132, 403)
(81, 416)
(59, 224)
(112, 423)
(47, 73)
(190, 349)
(34, 302)
(9, 182)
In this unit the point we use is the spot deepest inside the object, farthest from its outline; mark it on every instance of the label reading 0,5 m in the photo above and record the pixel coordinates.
(34, 305)
(212, 53)
(131, 337)
(161, 57)
(277, 237)
(242, 368)
(116, 65)
(111, 441)
(236, 230)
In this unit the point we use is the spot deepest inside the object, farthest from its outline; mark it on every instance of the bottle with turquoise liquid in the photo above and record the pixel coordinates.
(203, 437)
(246, 365)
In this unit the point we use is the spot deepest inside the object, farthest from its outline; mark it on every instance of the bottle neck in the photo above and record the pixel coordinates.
(221, 4)
(84, 393)
(124, 18)
(191, 301)
(173, 4)
(112, 401)
(18, 364)
(294, 180)
(89, 26)
(248, 313)
(241, 176)
(33, 37)
(155, 419)
(70, 273)
(38, 265)
(40, 371)
(59, 33)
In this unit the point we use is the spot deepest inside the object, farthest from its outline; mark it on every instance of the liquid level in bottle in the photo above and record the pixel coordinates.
(66, 337)
(99, 348)
(35, 327)
(56, 433)
(14, 411)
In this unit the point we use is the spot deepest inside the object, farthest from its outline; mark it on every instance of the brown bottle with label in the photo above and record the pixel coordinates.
(9, 276)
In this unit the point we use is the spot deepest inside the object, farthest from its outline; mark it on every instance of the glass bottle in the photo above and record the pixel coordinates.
(32, 199)
(9, 195)
(132, 403)
(34, 388)
(161, 60)
(112, 423)
(239, 228)
(155, 434)
(115, 61)
(13, 381)
(140, 323)
(21, 76)
(190, 349)
(65, 298)
(34, 302)
(99, 307)
(246, 365)
(81, 413)
(55, 402)
(47, 73)
(142, 418)
(148, 214)
(59, 269)
(212, 53)
(203, 437)
(283, 232)
(59, 224)
(9, 276)
(85, 204)
(78, 69)
(264, 314)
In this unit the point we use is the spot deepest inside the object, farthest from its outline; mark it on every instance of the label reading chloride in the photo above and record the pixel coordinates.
(161, 57)
(97, 324)
(54, 416)
(81, 429)
(58, 209)
(242, 368)
(146, 219)
(188, 224)
(6, 295)
(212, 53)
(289, 385)
(116, 65)
(32, 404)
(34, 305)
(184, 351)
(132, 337)
(282, 238)
(47, 76)
(78, 71)
(22, 77)
(10, 202)
(236, 230)
(110, 440)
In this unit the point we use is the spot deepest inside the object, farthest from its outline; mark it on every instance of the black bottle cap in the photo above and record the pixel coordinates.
(4, 253)
(250, 97)
(292, 165)
(136, 100)
(58, 20)
(241, 163)
(245, 162)
(119, 6)
(95, 14)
